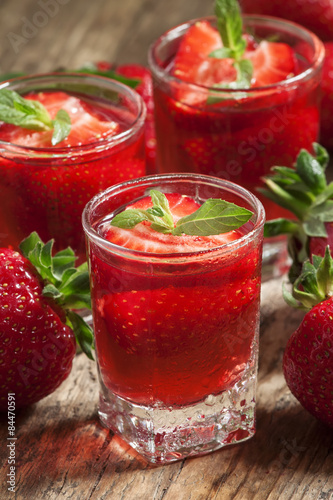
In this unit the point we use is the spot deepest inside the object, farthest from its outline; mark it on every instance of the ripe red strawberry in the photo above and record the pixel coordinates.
(326, 117)
(316, 15)
(308, 357)
(37, 340)
(303, 191)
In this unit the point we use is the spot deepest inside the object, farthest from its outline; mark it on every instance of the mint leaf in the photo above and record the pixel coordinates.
(230, 27)
(61, 127)
(160, 201)
(130, 218)
(25, 113)
(215, 216)
(159, 215)
(32, 115)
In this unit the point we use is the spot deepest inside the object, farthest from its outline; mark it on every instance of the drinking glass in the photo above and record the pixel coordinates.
(239, 134)
(176, 334)
(45, 189)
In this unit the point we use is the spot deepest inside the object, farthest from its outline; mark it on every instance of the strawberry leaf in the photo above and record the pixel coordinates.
(67, 285)
(280, 226)
(92, 69)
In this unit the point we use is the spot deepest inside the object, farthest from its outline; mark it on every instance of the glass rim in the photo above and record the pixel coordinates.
(103, 82)
(176, 31)
(173, 257)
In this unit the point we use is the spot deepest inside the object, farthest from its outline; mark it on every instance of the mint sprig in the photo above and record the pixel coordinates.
(230, 27)
(214, 217)
(32, 115)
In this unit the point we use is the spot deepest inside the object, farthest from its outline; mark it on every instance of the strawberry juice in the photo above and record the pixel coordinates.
(43, 187)
(208, 124)
(175, 320)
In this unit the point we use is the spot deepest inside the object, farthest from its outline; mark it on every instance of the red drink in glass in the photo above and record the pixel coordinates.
(44, 188)
(236, 134)
(175, 320)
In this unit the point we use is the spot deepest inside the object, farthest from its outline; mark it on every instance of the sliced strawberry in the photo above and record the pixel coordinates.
(88, 124)
(143, 238)
(192, 62)
(272, 62)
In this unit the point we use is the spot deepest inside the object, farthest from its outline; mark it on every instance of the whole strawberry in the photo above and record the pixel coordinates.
(303, 191)
(38, 326)
(139, 78)
(308, 357)
(316, 15)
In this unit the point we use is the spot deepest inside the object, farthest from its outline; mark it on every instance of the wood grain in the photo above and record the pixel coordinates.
(79, 31)
(63, 451)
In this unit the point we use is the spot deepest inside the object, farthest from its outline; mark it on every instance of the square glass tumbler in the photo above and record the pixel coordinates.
(176, 334)
(44, 188)
(238, 134)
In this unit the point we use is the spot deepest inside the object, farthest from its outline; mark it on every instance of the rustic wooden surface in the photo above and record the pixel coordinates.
(62, 451)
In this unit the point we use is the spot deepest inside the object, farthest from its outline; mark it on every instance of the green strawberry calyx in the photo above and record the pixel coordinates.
(304, 191)
(215, 216)
(314, 284)
(230, 27)
(31, 114)
(66, 284)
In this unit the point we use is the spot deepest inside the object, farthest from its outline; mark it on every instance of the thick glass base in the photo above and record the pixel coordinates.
(163, 435)
(275, 259)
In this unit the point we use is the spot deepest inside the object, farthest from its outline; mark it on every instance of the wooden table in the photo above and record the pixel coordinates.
(62, 451)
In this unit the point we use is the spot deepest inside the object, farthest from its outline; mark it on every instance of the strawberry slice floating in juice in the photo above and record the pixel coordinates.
(178, 337)
(145, 239)
(272, 61)
(48, 194)
(88, 123)
(192, 62)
